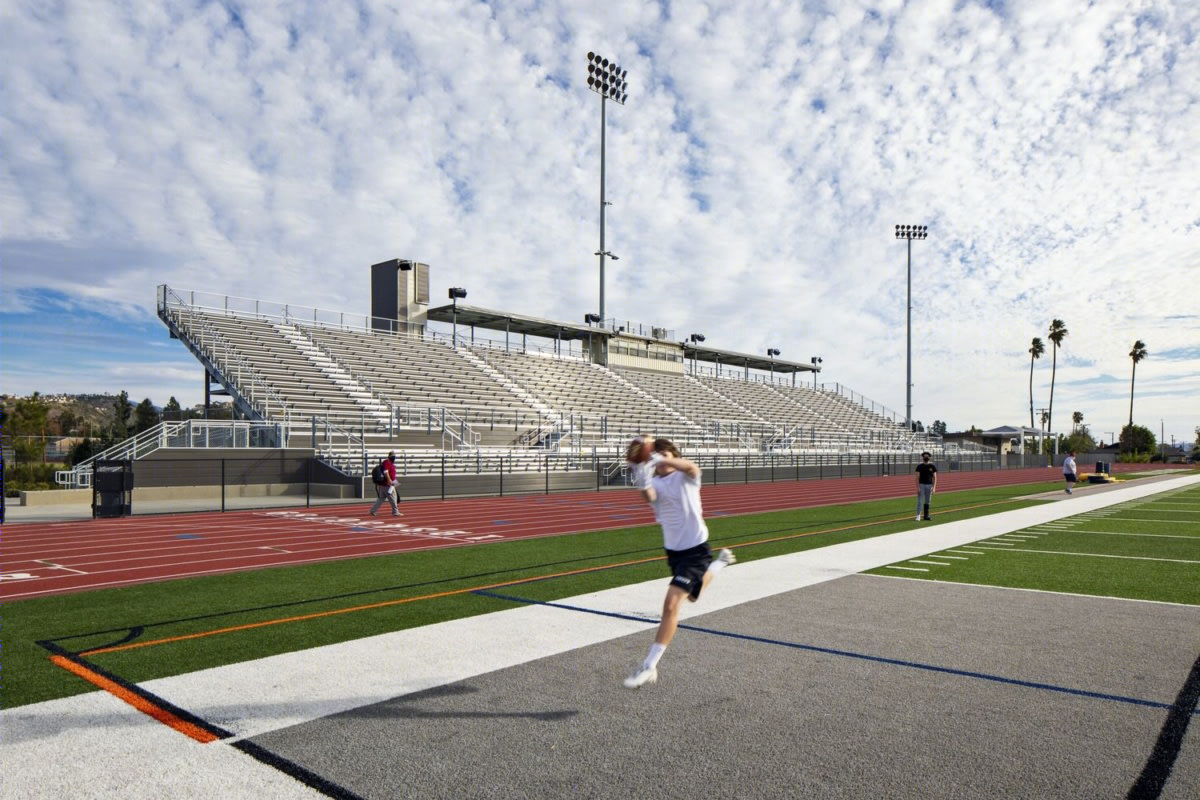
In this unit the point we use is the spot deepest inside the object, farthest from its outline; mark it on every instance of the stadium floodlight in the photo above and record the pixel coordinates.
(606, 79)
(815, 361)
(455, 294)
(909, 232)
(694, 338)
(591, 318)
(771, 353)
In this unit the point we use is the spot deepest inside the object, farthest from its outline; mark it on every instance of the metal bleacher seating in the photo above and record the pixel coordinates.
(434, 401)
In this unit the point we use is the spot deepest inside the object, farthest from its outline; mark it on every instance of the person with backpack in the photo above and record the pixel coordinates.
(384, 478)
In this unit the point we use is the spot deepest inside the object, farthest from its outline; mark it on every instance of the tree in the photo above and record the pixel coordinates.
(1080, 441)
(1136, 354)
(1076, 421)
(172, 411)
(145, 417)
(122, 410)
(1058, 332)
(1036, 348)
(68, 420)
(1136, 439)
(29, 423)
(938, 427)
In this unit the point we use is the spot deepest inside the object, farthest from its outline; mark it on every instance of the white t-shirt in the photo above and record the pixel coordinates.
(677, 509)
(1069, 465)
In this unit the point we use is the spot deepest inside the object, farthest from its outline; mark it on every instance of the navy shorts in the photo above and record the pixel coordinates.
(1069, 477)
(688, 568)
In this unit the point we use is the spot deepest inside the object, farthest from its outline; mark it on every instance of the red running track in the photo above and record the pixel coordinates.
(43, 559)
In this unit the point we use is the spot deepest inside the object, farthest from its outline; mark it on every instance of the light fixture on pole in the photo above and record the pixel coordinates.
(816, 360)
(909, 232)
(694, 338)
(771, 353)
(606, 79)
(455, 294)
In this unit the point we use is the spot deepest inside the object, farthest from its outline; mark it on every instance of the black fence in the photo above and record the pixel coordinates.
(166, 481)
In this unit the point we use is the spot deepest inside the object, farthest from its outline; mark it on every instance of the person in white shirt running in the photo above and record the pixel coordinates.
(671, 485)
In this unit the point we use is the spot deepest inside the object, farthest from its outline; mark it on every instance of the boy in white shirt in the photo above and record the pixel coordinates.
(671, 485)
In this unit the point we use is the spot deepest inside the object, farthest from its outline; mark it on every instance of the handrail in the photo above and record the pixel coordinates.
(229, 352)
(190, 433)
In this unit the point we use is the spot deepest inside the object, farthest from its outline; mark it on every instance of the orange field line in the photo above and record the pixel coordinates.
(137, 701)
(452, 592)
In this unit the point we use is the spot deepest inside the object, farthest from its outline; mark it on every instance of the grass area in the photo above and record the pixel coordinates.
(1147, 549)
(247, 615)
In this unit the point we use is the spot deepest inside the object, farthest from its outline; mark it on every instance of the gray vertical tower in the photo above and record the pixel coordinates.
(399, 295)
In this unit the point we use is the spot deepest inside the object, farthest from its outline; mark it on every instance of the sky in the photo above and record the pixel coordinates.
(767, 149)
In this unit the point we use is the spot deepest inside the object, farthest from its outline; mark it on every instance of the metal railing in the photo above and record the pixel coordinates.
(185, 434)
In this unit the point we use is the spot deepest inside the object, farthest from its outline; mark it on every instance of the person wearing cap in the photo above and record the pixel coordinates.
(387, 487)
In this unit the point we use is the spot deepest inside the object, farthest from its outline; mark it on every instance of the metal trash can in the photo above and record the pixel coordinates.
(112, 488)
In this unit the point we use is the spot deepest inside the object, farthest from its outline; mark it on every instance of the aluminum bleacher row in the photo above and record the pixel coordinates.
(353, 394)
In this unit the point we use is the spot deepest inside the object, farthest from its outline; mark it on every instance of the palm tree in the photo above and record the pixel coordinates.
(1058, 332)
(1076, 418)
(1137, 354)
(1035, 352)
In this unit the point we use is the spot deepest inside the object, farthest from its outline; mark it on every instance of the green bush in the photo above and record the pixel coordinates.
(29, 477)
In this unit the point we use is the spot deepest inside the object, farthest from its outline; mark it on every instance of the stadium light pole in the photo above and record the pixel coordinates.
(606, 79)
(455, 293)
(815, 361)
(771, 353)
(909, 232)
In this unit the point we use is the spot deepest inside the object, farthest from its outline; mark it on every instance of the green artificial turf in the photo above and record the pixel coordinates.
(436, 585)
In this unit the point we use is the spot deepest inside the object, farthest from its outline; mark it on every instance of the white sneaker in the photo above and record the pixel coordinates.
(727, 557)
(641, 676)
(918, 517)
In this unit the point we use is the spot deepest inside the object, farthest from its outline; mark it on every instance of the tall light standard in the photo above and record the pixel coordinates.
(455, 294)
(771, 353)
(606, 79)
(909, 232)
(815, 361)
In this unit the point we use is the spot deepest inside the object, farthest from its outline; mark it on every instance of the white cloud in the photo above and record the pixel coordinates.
(756, 172)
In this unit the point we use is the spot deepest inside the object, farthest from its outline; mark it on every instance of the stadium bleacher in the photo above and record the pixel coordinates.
(353, 392)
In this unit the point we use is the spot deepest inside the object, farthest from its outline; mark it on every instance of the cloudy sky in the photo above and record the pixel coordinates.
(766, 151)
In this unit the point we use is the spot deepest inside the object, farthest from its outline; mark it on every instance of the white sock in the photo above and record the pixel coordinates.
(656, 652)
(716, 566)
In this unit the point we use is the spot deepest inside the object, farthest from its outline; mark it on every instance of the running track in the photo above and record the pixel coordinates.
(43, 559)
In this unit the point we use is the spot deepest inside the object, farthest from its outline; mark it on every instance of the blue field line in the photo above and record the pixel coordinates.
(896, 662)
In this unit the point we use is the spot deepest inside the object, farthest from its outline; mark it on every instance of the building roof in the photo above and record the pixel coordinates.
(473, 316)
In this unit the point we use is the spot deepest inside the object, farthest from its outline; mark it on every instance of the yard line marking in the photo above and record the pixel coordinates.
(1103, 555)
(969, 552)
(1148, 519)
(956, 558)
(910, 569)
(1155, 535)
(990, 541)
(932, 563)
